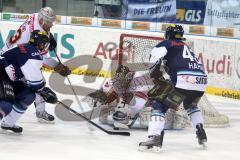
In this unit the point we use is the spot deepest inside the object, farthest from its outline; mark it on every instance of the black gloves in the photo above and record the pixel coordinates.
(53, 43)
(48, 95)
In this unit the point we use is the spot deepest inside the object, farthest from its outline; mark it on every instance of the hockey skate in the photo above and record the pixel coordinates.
(44, 117)
(154, 144)
(127, 124)
(201, 135)
(11, 129)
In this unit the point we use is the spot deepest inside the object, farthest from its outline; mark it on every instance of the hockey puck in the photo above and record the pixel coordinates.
(116, 128)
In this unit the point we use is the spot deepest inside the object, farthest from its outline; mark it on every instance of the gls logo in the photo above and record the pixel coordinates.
(193, 15)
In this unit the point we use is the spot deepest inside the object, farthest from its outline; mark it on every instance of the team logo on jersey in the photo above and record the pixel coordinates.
(35, 54)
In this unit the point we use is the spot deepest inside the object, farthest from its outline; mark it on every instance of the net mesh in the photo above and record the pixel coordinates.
(135, 49)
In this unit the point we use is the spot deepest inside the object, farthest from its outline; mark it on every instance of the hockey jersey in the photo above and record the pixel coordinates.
(27, 62)
(184, 69)
(22, 36)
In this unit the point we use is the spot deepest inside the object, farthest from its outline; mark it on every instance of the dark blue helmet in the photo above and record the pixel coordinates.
(174, 32)
(40, 40)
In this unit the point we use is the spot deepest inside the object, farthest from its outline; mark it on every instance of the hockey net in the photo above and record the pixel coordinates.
(134, 52)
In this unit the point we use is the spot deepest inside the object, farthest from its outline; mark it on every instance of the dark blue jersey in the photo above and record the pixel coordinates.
(27, 63)
(179, 59)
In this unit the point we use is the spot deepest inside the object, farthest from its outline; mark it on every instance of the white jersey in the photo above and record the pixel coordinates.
(22, 36)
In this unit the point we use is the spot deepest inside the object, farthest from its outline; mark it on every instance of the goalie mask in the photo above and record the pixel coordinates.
(123, 76)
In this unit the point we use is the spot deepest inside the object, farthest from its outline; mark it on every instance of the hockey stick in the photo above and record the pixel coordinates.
(94, 124)
(75, 94)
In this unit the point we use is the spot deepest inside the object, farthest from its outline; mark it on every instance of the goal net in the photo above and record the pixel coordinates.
(134, 52)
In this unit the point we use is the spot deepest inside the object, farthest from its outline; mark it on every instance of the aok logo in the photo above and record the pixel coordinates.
(65, 40)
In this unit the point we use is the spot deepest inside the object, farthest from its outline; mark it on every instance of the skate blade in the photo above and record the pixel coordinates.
(9, 132)
(153, 149)
(43, 121)
(120, 125)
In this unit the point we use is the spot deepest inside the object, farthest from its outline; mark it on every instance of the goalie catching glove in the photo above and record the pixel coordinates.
(62, 70)
(48, 95)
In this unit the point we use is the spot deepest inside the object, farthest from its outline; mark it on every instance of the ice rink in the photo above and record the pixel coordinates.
(74, 140)
(68, 140)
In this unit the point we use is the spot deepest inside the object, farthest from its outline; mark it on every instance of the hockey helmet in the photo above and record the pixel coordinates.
(46, 17)
(174, 32)
(40, 40)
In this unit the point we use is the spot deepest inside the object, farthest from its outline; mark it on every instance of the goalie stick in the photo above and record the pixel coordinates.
(94, 124)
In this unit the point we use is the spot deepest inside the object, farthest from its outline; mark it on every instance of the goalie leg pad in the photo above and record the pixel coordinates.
(173, 99)
(160, 90)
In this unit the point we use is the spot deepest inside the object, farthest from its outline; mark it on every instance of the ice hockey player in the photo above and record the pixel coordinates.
(43, 21)
(18, 90)
(187, 85)
(121, 88)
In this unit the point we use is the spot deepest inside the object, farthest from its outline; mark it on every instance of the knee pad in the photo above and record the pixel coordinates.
(6, 107)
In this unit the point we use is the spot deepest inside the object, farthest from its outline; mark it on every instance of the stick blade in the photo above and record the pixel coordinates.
(119, 133)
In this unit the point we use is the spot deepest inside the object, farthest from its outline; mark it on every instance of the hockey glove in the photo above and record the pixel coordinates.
(48, 95)
(62, 70)
(53, 43)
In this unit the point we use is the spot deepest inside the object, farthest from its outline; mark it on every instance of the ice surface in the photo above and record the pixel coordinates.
(69, 140)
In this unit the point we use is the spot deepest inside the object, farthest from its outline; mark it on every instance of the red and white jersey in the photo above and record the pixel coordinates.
(22, 36)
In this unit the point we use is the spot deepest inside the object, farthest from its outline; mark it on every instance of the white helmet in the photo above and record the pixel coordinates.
(47, 14)
(46, 17)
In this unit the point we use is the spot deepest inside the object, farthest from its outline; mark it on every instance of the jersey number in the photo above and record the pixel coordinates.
(188, 54)
(16, 36)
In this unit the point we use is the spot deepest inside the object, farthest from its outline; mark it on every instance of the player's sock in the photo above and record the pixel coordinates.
(195, 117)
(8, 122)
(156, 123)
